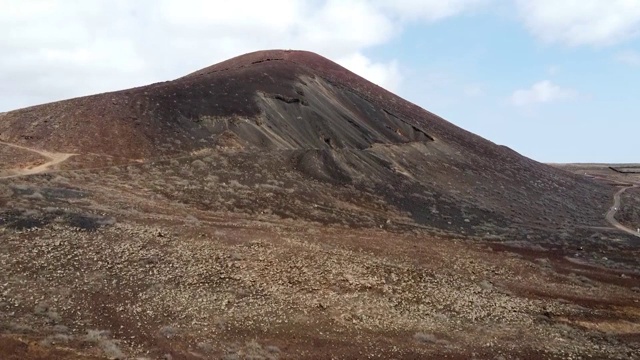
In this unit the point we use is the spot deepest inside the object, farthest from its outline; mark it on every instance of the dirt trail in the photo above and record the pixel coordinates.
(54, 159)
(614, 209)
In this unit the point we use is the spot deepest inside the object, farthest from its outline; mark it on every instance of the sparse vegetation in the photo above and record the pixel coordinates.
(168, 331)
(629, 213)
(109, 347)
(425, 338)
(255, 236)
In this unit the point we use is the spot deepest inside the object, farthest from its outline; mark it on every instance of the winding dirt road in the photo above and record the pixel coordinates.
(54, 159)
(614, 209)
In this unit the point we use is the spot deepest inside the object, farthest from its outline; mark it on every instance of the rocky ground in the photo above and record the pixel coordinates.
(126, 262)
(11, 158)
(278, 206)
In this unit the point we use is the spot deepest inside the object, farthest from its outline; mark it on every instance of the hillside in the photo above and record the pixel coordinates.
(276, 205)
(329, 125)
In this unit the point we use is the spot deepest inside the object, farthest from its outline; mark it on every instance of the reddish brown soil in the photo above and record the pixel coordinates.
(277, 206)
(11, 158)
(20, 347)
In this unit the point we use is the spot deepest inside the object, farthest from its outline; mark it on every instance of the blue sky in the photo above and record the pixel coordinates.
(554, 80)
(466, 69)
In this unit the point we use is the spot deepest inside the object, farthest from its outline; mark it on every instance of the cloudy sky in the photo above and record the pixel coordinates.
(557, 81)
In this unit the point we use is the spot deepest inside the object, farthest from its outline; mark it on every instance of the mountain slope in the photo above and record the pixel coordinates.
(334, 126)
(278, 206)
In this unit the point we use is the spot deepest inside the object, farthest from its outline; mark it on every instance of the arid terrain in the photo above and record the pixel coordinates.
(277, 206)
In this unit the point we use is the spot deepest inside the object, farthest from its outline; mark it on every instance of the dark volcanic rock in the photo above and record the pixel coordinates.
(334, 127)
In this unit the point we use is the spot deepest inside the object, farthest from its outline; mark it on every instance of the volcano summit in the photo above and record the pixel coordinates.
(298, 111)
(277, 205)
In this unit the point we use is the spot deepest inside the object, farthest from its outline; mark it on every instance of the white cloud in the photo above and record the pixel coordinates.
(56, 49)
(581, 22)
(542, 92)
(387, 75)
(628, 57)
(430, 10)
